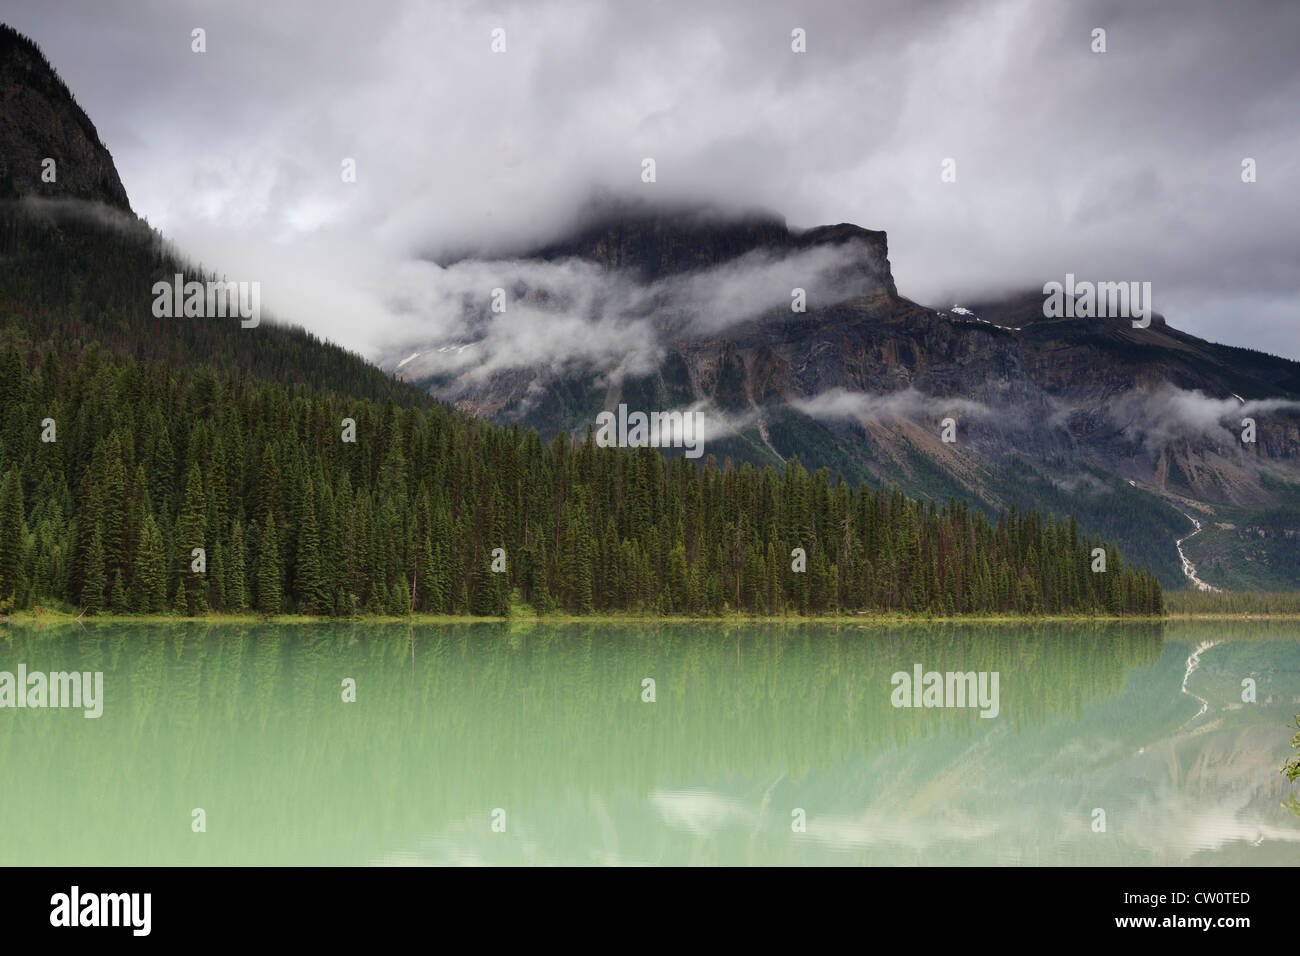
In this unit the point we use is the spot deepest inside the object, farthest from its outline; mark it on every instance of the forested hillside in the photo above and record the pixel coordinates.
(150, 461)
(76, 274)
(189, 465)
(1083, 415)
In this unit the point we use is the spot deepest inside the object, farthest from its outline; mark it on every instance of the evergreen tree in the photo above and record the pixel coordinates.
(268, 569)
(311, 591)
(113, 514)
(190, 535)
(87, 523)
(92, 593)
(236, 588)
(11, 533)
(150, 570)
(117, 594)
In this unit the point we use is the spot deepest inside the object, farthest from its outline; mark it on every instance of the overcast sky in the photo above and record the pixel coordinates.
(1117, 166)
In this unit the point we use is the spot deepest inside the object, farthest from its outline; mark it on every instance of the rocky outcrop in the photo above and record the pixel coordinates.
(1047, 409)
(652, 243)
(40, 120)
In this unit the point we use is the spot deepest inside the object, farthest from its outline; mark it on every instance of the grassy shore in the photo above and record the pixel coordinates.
(1179, 606)
(526, 615)
(1233, 604)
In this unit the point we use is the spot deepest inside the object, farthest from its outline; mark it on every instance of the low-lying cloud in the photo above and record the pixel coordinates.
(236, 153)
(574, 313)
(1159, 416)
(909, 403)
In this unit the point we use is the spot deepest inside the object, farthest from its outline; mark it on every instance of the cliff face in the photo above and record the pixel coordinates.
(1132, 428)
(1019, 383)
(39, 120)
(652, 244)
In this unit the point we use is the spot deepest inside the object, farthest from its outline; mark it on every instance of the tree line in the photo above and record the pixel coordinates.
(150, 462)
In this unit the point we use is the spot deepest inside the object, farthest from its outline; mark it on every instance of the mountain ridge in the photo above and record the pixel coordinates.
(862, 383)
(716, 296)
(40, 120)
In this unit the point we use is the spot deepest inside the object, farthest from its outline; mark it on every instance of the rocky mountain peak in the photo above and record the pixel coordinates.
(657, 241)
(40, 120)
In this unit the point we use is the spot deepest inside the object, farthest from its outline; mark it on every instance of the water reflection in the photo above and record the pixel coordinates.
(755, 731)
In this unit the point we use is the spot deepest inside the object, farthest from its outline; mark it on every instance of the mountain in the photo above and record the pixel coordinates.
(78, 267)
(154, 461)
(653, 243)
(41, 121)
(1137, 431)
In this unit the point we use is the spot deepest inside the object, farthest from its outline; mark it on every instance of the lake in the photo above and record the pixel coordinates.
(763, 744)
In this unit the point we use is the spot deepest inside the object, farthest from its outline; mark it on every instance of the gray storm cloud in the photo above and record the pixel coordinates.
(1167, 413)
(1123, 165)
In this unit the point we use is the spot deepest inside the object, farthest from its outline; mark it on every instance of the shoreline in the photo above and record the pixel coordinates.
(55, 617)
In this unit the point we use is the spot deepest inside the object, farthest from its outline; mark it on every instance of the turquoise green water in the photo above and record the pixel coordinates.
(749, 724)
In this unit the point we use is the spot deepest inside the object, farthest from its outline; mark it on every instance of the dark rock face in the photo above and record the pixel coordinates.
(652, 244)
(1084, 416)
(1031, 386)
(39, 119)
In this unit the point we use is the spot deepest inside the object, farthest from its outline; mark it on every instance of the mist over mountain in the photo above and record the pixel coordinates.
(184, 460)
(674, 308)
(1122, 165)
(77, 266)
(623, 421)
(792, 343)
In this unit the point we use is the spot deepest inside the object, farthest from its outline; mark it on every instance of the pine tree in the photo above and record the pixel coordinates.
(113, 516)
(584, 583)
(190, 535)
(311, 591)
(486, 599)
(87, 522)
(150, 570)
(11, 533)
(268, 569)
(92, 593)
(117, 594)
(236, 589)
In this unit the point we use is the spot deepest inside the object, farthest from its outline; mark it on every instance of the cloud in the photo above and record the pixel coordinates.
(236, 153)
(573, 313)
(1159, 416)
(717, 424)
(80, 210)
(908, 403)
